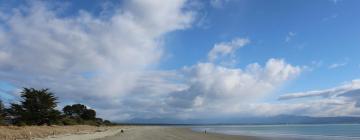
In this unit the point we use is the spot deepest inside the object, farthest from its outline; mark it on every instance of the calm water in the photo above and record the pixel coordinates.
(329, 131)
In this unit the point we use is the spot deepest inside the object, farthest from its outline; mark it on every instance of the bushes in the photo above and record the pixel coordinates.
(37, 107)
(79, 111)
(80, 114)
(88, 114)
(79, 121)
(69, 121)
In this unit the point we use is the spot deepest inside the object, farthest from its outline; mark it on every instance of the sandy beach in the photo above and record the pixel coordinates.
(170, 133)
(177, 133)
(130, 133)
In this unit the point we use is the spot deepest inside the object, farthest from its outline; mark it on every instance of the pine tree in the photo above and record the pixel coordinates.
(37, 107)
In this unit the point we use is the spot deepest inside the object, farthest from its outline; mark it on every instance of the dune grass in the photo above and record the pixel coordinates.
(28, 132)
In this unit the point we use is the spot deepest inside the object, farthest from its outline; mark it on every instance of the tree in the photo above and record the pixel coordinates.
(75, 110)
(2, 107)
(89, 114)
(107, 122)
(2, 111)
(37, 107)
(79, 111)
(68, 110)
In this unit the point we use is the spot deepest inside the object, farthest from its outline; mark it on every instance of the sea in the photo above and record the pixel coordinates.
(301, 131)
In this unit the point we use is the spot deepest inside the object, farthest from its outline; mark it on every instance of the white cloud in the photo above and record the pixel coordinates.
(333, 16)
(226, 48)
(218, 3)
(338, 101)
(335, 1)
(289, 36)
(338, 65)
(105, 62)
(317, 108)
(217, 88)
(342, 63)
(41, 49)
(193, 91)
(318, 63)
(328, 93)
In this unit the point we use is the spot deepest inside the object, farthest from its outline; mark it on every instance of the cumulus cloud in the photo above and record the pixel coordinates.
(217, 88)
(226, 48)
(200, 89)
(108, 62)
(85, 57)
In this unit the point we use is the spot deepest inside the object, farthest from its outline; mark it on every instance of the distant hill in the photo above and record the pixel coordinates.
(280, 119)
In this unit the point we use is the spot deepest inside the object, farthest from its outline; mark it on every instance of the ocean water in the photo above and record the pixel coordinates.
(311, 132)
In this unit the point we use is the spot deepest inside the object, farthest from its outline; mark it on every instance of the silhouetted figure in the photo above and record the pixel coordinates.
(122, 131)
(205, 131)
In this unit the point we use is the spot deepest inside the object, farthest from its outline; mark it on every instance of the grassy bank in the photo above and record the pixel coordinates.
(28, 132)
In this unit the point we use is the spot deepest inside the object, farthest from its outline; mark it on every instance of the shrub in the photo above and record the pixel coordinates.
(21, 123)
(69, 121)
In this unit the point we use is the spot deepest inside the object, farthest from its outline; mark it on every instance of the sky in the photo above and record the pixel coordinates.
(180, 59)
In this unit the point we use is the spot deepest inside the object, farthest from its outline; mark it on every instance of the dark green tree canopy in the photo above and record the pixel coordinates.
(2, 107)
(2, 110)
(37, 107)
(89, 114)
(75, 110)
(79, 111)
(41, 99)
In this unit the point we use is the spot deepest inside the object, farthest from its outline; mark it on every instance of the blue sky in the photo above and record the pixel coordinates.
(183, 59)
(324, 32)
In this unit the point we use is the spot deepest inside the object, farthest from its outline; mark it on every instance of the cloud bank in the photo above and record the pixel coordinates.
(337, 101)
(110, 63)
(82, 52)
(86, 57)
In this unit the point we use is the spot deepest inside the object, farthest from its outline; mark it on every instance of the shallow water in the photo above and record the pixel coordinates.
(323, 131)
